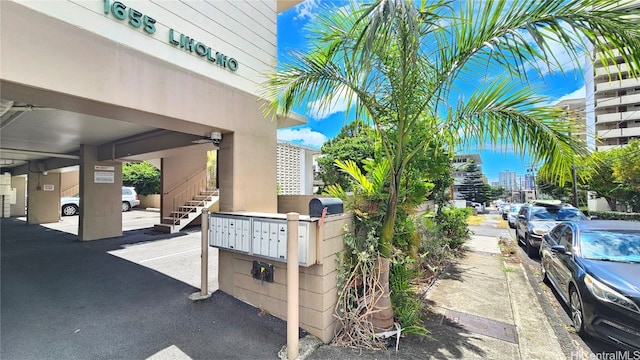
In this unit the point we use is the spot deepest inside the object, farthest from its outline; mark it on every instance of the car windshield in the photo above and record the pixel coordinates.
(621, 246)
(556, 214)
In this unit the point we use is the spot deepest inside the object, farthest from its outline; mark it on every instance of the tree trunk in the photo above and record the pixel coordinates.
(382, 319)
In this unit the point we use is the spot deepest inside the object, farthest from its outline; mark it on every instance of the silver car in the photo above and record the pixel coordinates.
(71, 205)
(535, 220)
(512, 215)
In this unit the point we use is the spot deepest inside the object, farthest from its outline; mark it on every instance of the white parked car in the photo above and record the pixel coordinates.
(479, 207)
(71, 205)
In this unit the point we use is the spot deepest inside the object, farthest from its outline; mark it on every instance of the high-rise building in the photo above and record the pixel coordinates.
(615, 97)
(574, 110)
(529, 182)
(508, 180)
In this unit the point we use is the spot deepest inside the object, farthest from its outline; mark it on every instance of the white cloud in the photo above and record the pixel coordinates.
(563, 60)
(306, 9)
(303, 136)
(581, 93)
(339, 103)
(318, 113)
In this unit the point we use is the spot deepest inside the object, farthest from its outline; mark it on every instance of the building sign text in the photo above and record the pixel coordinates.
(138, 20)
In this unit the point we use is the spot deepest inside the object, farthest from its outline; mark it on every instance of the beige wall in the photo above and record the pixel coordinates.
(295, 203)
(179, 175)
(69, 183)
(43, 206)
(149, 201)
(20, 184)
(318, 283)
(247, 166)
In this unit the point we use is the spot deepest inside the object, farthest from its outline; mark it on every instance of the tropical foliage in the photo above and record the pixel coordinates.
(473, 187)
(403, 65)
(615, 175)
(143, 176)
(356, 141)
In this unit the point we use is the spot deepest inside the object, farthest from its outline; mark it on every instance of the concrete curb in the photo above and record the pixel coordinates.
(566, 344)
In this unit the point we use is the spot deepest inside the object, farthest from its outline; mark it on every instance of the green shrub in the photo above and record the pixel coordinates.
(144, 177)
(451, 223)
(406, 303)
(614, 215)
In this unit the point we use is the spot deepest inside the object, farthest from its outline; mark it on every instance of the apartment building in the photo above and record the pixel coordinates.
(614, 95)
(460, 163)
(575, 110)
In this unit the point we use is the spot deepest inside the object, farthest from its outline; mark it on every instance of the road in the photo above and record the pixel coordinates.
(587, 348)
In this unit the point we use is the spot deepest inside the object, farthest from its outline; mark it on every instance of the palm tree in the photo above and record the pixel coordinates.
(403, 64)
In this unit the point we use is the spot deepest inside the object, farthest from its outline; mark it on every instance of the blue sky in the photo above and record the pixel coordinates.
(321, 127)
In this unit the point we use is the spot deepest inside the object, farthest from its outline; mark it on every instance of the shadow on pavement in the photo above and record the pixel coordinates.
(66, 299)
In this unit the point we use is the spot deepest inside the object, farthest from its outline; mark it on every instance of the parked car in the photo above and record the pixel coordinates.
(504, 210)
(512, 215)
(594, 267)
(129, 198)
(71, 205)
(478, 206)
(535, 219)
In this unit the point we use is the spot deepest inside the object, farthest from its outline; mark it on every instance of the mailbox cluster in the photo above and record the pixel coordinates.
(261, 237)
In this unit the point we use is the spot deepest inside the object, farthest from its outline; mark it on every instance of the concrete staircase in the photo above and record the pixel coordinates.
(184, 214)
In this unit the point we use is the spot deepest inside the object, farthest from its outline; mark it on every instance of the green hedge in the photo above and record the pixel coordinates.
(613, 215)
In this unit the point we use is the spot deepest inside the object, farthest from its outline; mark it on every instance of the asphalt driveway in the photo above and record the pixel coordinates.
(66, 299)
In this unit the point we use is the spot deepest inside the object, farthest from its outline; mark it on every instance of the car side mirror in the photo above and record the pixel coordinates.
(521, 216)
(559, 249)
(593, 217)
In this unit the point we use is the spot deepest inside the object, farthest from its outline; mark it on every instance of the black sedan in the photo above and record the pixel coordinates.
(595, 268)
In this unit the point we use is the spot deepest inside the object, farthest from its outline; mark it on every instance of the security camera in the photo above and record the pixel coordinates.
(216, 138)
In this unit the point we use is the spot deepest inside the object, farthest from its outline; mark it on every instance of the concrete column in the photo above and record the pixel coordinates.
(43, 204)
(100, 196)
(247, 173)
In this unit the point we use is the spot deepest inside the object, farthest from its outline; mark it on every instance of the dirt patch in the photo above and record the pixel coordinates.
(509, 249)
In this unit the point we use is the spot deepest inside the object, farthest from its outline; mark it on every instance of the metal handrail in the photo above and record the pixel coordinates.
(181, 199)
(185, 181)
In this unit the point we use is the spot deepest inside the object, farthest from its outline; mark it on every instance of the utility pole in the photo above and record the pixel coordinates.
(532, 169)
(575, 186)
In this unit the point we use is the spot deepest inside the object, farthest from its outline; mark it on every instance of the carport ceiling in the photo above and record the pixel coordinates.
(35, 133)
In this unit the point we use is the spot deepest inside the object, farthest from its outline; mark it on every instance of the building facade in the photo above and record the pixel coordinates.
(574, 110)
(95, 83)
(508, 180)
(615, 95)
(460, 163)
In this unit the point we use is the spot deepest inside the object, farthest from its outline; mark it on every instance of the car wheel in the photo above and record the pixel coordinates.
(531, 250)
(69, 210)
(125, 206)
(575, 305)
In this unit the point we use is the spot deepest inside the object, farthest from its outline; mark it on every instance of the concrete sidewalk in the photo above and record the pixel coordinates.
(481, 307)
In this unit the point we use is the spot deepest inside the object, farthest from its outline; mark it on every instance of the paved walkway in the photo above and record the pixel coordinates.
(67, 299)
(482, 307)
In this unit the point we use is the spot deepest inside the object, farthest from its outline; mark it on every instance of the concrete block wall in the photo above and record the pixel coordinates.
(318, 283)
